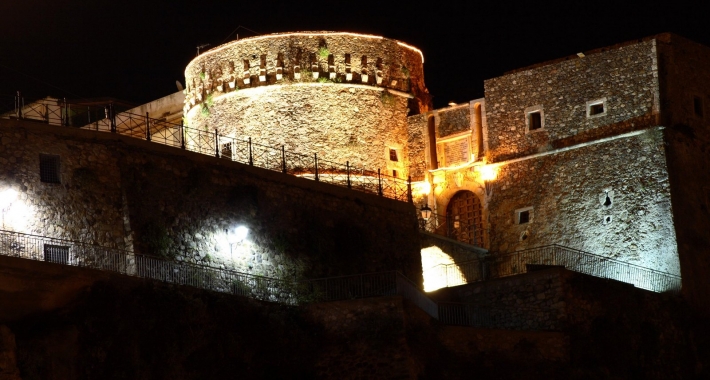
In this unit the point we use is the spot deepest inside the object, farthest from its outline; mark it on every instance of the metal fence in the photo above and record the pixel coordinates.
(498, 266)
(243, 150)
(73, 253)
(79, 254)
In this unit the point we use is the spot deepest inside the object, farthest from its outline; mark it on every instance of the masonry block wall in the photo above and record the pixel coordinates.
(115, 190)
(685, 104)
(624, 77)
(610, 198)
(343, 96)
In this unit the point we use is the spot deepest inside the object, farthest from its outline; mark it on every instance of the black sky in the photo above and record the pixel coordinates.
(136, 50)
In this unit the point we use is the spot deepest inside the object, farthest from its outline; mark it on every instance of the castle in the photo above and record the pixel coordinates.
(598, 155)
(578, 152)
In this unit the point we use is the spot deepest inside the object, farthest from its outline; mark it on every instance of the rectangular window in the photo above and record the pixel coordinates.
(698, 106)
(596, 108)
(534, 119)
(394, 173)
(523, 215)
(49, 168)
(56, 254)
(393, 155)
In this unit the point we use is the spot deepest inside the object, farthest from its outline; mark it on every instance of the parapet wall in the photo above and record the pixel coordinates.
(306, 57)
(343, 96)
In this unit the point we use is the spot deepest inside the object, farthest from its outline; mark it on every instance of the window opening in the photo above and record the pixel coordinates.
(596, 109)
(394, 173)
(535, 120)
(49, 168)
(56, 253)
(524, 217)
(393, 155)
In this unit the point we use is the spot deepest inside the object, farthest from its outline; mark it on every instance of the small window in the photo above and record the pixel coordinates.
(56, 254)
(523, 215)
(49, 168)
(698, 106)
(596, 108)
(394, 173)
(534, 118)
(393, 155)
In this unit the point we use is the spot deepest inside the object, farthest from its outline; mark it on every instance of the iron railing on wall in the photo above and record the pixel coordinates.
(210, 142)
(78, 254)
(497, 266)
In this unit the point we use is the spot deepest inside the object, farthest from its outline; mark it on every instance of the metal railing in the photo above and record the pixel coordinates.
(497, 266)
(210, 142)
(78, 254)
(73, 253)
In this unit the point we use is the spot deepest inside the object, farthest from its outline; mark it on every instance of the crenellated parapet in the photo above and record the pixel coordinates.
(303, 57)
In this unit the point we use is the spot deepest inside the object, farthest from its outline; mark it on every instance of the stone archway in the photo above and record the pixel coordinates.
(464, 218)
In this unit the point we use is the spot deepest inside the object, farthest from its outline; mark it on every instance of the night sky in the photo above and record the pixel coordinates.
(136, 50)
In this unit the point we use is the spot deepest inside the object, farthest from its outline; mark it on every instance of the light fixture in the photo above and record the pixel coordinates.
(452, 103)
(237, 235)
(426, 212)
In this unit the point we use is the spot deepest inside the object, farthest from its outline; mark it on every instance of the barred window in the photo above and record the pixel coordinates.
(49, 168)
(56, 254)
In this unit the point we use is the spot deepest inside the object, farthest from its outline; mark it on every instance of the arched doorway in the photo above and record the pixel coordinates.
(464, 219)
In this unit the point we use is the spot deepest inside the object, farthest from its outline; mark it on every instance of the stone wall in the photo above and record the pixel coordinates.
(88, 203)
(453, 120)
(185, 206)
(374, 61)
(534, 301)
(417, 146)
(685, 75)
(568, 194)
(339, 122)
(626, 76)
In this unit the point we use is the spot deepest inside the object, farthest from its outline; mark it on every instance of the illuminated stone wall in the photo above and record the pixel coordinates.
(568, 192)
(87, 205)
(127, 193)
(625, 75)
(353, 111)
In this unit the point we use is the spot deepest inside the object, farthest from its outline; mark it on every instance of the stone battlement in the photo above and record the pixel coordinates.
(337, 57)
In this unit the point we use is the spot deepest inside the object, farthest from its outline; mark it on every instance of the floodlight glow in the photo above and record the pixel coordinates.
(240, 233)
(7, 197)
(437, 271)
(488, 172)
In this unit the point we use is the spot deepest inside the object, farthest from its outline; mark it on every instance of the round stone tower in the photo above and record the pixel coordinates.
(342, 96)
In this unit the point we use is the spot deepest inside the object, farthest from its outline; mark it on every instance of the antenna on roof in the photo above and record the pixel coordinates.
(200, 47)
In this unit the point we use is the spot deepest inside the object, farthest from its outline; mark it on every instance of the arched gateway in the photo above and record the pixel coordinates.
(464, 219)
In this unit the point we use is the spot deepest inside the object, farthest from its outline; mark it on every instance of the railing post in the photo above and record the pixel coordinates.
(216, 143)
(65, 119)
(315, 160)
(409, 190)
(18, 105)
(112, 115)
(147, 126)
(379, 183)
(251, 160)
(283, 159)
(182, 134)
(347, 165)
